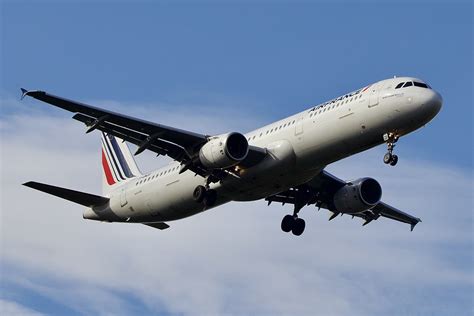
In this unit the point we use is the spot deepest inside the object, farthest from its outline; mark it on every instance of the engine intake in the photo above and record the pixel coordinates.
(224, 151)
(358, 196)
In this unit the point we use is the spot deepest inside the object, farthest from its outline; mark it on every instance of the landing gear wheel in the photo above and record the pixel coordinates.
(199, 193)
(287, 223)
(387, 158)
(394, 160)
(298, 227)
(210, 198)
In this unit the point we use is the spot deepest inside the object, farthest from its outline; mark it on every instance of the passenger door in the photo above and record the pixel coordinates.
(123, 198)
(374, 96)
(299, 126)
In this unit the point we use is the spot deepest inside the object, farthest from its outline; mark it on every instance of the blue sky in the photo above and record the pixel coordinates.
(274, 59)
(248, 63)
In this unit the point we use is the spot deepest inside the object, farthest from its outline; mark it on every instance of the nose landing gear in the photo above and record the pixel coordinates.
(389, 157)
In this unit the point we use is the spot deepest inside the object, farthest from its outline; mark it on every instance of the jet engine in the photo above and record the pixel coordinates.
(224, 151)
(358, 196)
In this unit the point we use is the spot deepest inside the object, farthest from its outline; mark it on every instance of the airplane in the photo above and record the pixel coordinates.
(281, 162)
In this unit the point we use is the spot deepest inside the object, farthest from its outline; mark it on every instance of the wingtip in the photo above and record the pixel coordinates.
(24, 93)
(412, 226)
(31, 93)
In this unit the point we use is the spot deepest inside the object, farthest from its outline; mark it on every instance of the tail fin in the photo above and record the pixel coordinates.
(117, 162)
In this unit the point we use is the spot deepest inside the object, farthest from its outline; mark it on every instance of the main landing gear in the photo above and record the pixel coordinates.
(206, 196)
(389, 157)
(293, 223)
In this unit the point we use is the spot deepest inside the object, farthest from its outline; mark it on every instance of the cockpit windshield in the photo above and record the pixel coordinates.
(420, 84)
(412, 83)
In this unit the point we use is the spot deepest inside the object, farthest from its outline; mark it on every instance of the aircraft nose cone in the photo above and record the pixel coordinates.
(432, 103)
(436, 102)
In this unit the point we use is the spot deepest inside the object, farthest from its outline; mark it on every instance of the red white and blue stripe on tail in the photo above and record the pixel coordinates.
(117, 161)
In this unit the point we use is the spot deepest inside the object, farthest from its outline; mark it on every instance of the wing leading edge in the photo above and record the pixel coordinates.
(180, 145)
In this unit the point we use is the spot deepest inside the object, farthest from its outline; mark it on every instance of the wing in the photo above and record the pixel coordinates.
(180, 145)
(320, 191)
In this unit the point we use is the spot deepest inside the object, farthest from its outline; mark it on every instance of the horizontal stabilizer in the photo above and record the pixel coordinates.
(158, 225)
(82, 198)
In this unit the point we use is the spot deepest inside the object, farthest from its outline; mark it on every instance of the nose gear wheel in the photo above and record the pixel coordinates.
(389, 158)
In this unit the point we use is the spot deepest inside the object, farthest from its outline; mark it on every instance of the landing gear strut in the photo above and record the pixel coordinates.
(389, 157)
(293, 223)
(206, 196)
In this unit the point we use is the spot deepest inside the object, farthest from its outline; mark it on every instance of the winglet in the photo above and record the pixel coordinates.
(24, 93)
(414, 224)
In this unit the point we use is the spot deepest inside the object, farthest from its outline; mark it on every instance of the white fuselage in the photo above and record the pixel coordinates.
(299, 147)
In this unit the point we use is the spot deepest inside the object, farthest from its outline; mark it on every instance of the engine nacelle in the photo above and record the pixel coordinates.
(358, 196)
(224, 151)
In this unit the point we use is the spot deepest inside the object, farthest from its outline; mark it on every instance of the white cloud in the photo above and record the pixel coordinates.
(233, 259)
(14, 309)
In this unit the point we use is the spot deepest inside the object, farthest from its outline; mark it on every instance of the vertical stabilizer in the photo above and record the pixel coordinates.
(117, 162)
